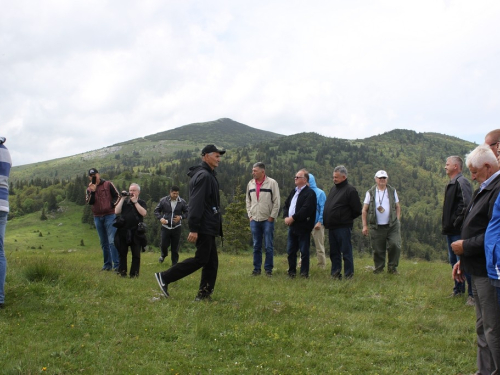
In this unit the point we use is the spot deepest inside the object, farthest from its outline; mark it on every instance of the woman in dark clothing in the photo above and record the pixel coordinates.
(132, 211)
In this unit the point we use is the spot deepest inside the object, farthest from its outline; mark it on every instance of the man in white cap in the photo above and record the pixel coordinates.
(381, 214)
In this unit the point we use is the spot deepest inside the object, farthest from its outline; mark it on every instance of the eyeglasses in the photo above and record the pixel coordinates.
(382, 178)
(297, 177)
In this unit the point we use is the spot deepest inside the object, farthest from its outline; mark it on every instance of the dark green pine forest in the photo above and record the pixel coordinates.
(414, 162)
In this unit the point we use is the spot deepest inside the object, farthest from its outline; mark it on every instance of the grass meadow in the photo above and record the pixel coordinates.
(65, 316)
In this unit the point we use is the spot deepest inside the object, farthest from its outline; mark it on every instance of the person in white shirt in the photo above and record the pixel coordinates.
(381, 221)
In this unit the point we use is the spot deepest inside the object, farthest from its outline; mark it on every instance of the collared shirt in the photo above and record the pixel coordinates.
(293, 203)
(257, 187)
(487, 182)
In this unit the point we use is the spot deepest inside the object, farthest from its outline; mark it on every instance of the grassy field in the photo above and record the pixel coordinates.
(64, 316)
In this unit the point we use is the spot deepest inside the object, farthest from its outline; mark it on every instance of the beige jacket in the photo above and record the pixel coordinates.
(268, 204)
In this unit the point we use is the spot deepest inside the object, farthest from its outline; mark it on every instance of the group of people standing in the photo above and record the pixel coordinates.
(471, 222)
(307, 212)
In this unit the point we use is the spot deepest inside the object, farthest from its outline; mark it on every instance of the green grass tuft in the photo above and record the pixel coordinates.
(42, 271)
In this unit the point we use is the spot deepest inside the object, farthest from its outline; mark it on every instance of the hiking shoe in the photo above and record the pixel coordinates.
(269, 273)
(161, 259)
(256, 273)
(470, 301)
(202, 297)
(304, 275)
(163, 286)
(337, 275)
(291, 275)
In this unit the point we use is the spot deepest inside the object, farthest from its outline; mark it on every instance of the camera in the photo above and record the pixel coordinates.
(141, 228)
(125, 193)
(94, 179)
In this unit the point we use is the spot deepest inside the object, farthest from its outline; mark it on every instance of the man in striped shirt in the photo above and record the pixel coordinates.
(5, 165)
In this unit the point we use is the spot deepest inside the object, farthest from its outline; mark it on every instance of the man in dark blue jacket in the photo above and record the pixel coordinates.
(205, 223)
(300, 216)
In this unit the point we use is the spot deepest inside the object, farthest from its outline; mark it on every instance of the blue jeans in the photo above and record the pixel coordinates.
(459, 287)
(3, 260)
(106, 231)
(295, 243)
(262, 229)
(341, 248)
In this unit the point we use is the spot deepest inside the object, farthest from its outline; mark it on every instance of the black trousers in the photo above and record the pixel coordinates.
(205, 258)
(122, 246)
(171, 238)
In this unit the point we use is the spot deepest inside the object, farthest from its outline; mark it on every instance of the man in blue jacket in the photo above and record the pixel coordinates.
(300, 214)
(205, 223)
(318, 232)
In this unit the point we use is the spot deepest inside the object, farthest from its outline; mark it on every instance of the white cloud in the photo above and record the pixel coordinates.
(77, 76)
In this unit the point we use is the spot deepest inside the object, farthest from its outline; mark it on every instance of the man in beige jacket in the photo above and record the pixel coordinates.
(263, 204)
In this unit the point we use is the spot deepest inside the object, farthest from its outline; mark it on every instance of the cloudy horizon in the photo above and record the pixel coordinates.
(79, 76)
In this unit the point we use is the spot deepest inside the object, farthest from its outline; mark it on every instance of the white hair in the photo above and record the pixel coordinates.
(480, 156)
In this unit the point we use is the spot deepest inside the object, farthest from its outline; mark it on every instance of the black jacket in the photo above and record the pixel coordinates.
(457, 197)
(305, 210)
(477, 217)
(204, 201)
(164, 210)
(342, 206)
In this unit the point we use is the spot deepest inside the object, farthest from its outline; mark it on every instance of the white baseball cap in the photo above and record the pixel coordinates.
(381, 173)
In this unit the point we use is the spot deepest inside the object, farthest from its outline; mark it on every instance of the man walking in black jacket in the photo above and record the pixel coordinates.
(205, 223)
(341, 208)
(171, 210)
(300, 216)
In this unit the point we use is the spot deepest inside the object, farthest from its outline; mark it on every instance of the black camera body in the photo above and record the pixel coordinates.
(125, 193)
(141, 228)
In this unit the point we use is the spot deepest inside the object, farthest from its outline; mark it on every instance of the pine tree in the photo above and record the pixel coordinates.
(43, 216)
(235, 225)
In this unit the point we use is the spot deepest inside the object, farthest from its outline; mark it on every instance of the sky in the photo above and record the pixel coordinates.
(77, 76)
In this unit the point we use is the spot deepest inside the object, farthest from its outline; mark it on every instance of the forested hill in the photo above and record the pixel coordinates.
(148, 150)
(414, 162)
(227, 132)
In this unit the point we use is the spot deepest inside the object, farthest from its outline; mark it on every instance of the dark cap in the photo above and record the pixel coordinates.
(93, 171)
(211, 148)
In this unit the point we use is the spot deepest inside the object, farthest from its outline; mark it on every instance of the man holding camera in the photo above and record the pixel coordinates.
(131, 229)
(170, 211)
(102, 195)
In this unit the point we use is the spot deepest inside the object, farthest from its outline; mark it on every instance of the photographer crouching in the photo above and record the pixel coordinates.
(131, 229)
